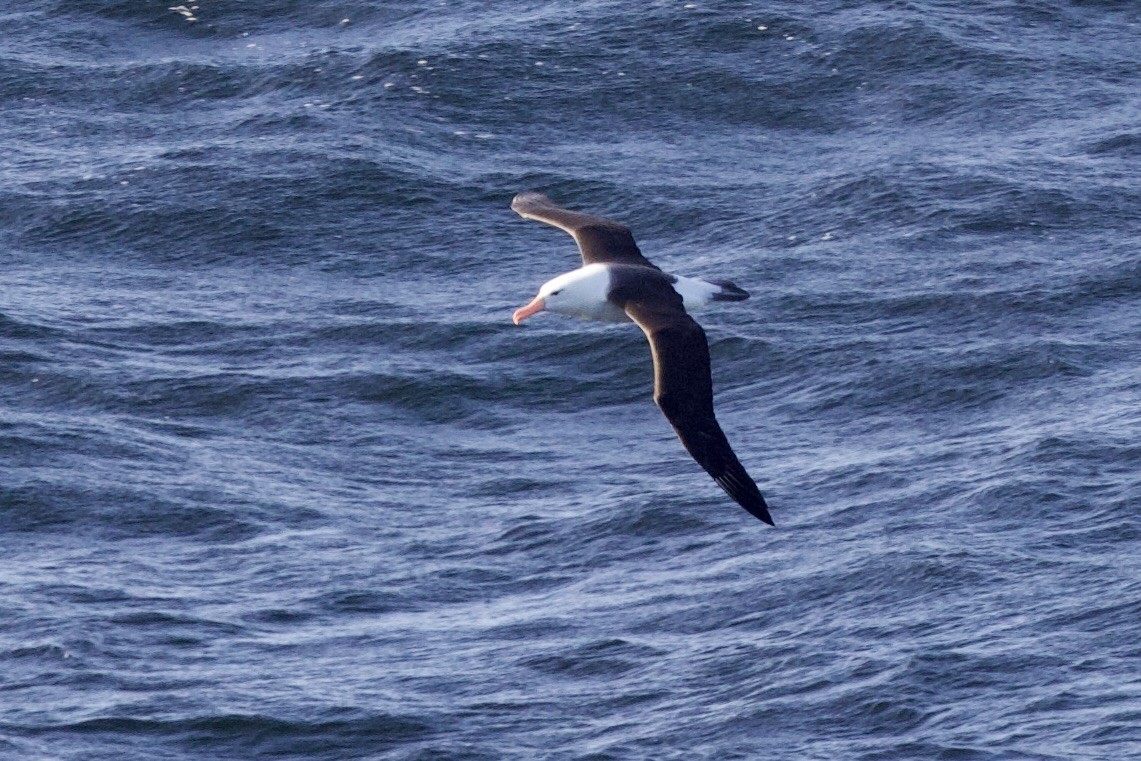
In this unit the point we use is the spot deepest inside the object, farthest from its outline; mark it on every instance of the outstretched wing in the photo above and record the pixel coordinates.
(683, 389)
(600, 240)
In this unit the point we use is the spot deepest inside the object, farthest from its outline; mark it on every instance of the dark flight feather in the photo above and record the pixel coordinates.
(683, 390)
(600, 240)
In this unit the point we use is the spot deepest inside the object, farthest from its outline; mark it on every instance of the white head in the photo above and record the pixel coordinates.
(579, 293)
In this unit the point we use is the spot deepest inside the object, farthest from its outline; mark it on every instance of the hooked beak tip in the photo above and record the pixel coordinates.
(522, 313)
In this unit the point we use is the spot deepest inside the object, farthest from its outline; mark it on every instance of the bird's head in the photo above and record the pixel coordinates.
(579, 293)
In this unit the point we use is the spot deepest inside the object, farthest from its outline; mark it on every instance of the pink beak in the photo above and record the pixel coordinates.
(522, 313)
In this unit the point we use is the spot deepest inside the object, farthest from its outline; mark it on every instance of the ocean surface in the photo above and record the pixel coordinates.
(279, 479)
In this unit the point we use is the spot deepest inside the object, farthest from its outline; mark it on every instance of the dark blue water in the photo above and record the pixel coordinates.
(280, 479)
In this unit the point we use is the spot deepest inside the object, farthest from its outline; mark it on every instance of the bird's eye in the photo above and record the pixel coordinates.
(556, 293)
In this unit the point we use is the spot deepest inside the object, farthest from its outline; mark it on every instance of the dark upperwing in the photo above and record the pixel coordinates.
(683, 389)
(600, 240)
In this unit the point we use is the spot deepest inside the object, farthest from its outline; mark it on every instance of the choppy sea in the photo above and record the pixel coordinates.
(280, 479)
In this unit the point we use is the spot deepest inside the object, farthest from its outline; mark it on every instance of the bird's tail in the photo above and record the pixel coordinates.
(728, 291)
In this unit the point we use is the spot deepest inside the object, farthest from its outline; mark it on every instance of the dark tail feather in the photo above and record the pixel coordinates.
(728, 292)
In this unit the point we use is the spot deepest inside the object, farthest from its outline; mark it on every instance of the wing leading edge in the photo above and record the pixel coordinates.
(600, 240)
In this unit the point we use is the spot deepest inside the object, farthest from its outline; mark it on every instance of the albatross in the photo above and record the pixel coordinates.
(617, 284)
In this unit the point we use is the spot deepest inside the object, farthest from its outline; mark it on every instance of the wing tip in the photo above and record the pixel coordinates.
(745, 493)
(763, 514)
(756, 506)
(529, 198)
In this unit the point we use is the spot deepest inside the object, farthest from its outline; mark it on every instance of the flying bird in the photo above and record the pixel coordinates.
(617, 284)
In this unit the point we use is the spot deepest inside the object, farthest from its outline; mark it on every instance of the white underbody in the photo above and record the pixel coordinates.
(583, 293)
